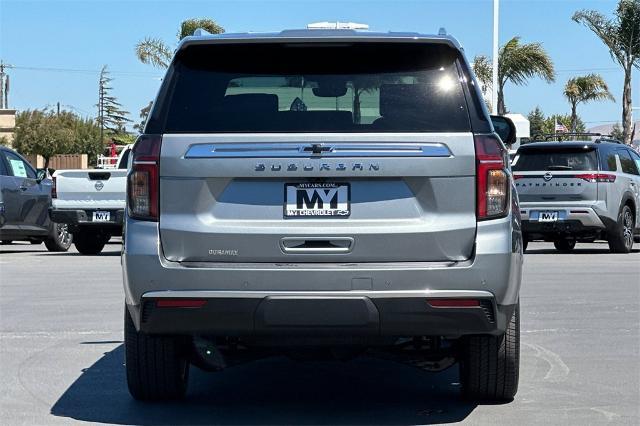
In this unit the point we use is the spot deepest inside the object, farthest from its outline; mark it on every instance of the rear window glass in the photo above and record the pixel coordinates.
(338, 87)
(532, 160)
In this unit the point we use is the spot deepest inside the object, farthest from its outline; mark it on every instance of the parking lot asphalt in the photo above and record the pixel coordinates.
(61, 355)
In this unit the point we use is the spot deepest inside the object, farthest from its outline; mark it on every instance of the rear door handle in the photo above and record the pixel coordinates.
(316, 245)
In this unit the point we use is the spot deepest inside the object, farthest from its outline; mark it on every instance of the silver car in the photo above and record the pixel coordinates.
(321, 192)
(577, 191)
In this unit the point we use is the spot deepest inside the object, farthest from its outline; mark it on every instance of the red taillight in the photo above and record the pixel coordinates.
(492, 181)
(54, 190)
(516, 177)
(597, 177)
(453, 303)
(143, 183)
(180, 303)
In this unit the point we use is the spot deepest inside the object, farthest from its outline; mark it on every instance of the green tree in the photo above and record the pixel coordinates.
(111, 116)
(565, 119)
(42, 133)
(156, 52)
(144, 115)
(616, 132)
(483, 69)
(519, 62)
(591, 87)
(536, 122)
(622, 36)
(46, 133)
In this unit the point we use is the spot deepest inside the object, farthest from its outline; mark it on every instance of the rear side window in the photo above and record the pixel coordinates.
(332, 87)
(608, 160)
(627, 163)
(531, 160)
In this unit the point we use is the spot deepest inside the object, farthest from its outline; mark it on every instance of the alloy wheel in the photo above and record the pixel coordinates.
(627, 229)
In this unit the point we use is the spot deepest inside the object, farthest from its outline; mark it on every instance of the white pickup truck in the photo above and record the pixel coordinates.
(91, 202)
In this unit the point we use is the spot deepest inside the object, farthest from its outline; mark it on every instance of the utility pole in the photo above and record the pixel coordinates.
(101, 107)
(496, 52)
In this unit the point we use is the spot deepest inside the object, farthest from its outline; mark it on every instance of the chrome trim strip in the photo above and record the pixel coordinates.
(302, 150)
(221, 294)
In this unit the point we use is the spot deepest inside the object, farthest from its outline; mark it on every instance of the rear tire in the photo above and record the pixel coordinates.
(60, 239)
(157, 368)
(621, 237)
(89, 242)
(489, 368)
(564, 246)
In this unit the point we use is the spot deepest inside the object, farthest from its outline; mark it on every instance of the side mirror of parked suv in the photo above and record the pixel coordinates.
(505, 128)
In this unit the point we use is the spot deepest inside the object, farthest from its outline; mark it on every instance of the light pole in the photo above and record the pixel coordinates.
(496, 51)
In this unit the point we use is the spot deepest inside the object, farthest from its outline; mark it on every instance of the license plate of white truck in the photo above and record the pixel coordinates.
(100, 216)
(317, 199)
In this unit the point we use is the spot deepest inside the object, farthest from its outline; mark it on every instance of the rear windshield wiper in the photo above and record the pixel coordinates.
(559, 168)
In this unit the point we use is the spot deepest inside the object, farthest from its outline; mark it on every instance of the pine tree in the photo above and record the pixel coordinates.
(111, 116)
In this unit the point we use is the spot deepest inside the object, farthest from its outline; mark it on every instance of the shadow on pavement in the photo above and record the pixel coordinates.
(274, 391)
(577, 250)
(19, 251)
(74, 253)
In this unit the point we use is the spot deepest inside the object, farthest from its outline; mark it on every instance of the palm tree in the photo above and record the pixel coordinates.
(156, 52)
(583, 89)
(622, 36)
(519, 62)
(516, 63)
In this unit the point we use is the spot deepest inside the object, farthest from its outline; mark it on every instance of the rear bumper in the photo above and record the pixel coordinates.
(585, 216)
(574, 221)
(339, 314)
(244, 298)
(84, 217)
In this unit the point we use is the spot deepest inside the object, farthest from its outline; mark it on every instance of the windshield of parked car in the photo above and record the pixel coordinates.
(333, 87)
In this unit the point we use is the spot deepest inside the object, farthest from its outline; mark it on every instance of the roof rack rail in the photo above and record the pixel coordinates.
(608, 138)
(561, 136)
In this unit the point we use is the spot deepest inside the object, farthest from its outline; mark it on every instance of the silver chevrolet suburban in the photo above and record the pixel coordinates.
(321, 193)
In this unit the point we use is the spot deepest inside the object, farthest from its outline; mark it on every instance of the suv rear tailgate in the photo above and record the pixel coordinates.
(412, 198)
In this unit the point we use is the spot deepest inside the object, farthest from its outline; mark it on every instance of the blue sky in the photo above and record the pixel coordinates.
(58, 47)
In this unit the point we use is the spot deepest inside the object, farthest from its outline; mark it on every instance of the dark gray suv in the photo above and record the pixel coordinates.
(25, 198)
(321, 192)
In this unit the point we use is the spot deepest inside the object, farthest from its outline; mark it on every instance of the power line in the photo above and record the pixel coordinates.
(562, 71)
(84, 71)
